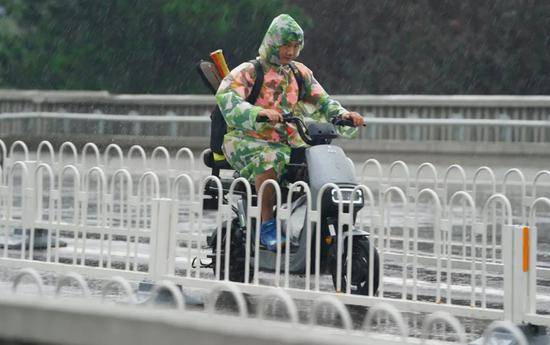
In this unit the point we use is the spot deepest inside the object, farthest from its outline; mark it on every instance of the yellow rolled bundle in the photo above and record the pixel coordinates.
(219, 61)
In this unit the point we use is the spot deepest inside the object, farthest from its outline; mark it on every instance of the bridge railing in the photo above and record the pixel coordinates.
(388, 106)
(446, 242)
(170, 126)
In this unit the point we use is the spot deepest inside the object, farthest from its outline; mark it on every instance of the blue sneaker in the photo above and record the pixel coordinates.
(268, 235)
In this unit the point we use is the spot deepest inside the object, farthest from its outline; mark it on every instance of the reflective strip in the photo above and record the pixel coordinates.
(218, 157)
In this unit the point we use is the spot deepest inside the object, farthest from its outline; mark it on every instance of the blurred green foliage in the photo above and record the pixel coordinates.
(367, 46)
(132, 46)
(432, 46)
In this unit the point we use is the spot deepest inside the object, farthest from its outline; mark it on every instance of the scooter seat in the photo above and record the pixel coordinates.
(210, 162)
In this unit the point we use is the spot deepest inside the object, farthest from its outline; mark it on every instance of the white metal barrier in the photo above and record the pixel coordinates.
(421, 106)
(401, 128)
(383, 323)
(439, 249)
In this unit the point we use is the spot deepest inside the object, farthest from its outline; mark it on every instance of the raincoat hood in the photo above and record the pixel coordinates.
(283, 30)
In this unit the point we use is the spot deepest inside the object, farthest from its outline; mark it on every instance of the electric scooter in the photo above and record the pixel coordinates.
(317, 165)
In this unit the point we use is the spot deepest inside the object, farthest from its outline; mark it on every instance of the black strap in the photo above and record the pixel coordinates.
(299, 80)
(253, 97)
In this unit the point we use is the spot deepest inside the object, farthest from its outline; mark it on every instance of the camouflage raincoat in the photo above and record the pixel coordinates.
(250, 147)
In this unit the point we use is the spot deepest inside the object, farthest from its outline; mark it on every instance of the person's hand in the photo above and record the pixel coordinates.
(273, 115)
(357, 119)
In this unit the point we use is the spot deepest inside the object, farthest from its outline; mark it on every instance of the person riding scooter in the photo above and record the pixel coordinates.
(261, 150)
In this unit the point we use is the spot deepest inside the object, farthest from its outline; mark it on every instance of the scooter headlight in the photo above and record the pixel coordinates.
(347, 195)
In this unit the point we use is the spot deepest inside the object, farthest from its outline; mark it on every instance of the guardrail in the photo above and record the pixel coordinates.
(171, 126)
(62, 320)
(423, 106)
(438, 250)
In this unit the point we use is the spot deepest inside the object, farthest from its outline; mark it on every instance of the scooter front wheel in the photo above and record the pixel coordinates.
(360, 268)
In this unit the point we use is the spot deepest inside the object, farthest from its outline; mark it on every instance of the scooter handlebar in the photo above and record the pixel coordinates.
(288, 117)
(339, 121)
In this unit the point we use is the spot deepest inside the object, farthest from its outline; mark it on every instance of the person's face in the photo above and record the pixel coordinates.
(289, 52)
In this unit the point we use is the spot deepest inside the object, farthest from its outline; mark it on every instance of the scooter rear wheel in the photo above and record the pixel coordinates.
(237, 250)
(360, 268)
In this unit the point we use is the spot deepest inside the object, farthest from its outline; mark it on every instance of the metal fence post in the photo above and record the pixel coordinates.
(173, 129)
(30, 205)
(520, 274)
(532, 271)
(100, 123)
(160, 227)
(413, 131)
(456, 133)
(505, 132)
(66, 123)
(508, 273)
(136, 126)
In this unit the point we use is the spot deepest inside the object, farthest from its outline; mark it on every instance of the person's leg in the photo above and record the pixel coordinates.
(258, 161)
(268, 229)
(268, 197)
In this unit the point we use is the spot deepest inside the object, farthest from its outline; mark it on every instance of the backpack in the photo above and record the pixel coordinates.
(218, 126)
